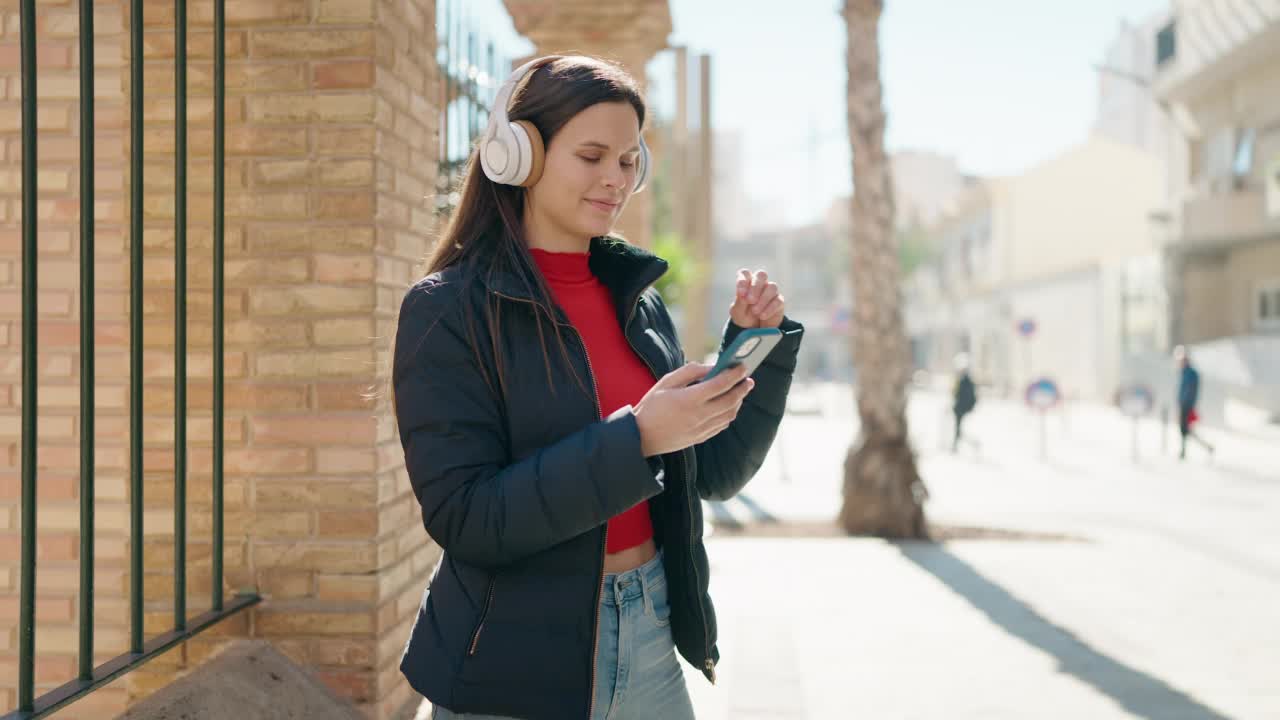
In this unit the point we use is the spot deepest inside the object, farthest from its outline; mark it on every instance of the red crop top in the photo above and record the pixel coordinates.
(621, 376)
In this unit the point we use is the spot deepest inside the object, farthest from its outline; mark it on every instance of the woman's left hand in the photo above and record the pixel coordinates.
(757, 302)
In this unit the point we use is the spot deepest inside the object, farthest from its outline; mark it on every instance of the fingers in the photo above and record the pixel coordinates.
(767, 294)
(717, 423)
(758, 282)
(682, 376)
(725, 406)
(751, 284)
(730, 401)
(721, 383)
(773, 310)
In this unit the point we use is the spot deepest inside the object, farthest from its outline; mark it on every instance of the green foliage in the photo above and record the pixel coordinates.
(683, 268)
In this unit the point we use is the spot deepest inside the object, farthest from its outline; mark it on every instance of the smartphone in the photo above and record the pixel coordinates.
(750, 348)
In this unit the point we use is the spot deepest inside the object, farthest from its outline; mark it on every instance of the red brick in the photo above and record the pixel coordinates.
(355, 685)
(343, 396)
(313, 43)
(313, 430)
(342, 74)
(347, 524)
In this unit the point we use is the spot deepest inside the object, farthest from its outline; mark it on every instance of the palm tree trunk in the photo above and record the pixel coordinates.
(883, 492)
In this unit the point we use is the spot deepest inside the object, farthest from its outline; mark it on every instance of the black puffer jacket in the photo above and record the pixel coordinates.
(517, 487)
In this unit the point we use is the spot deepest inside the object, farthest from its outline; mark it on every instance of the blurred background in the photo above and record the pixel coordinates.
(1075, 189)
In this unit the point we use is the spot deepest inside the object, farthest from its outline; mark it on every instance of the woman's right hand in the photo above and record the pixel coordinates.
(676, 414)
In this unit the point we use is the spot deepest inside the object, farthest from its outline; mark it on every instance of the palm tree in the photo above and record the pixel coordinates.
(883, 492)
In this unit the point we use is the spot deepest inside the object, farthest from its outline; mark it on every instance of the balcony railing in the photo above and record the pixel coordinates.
(1223, 218)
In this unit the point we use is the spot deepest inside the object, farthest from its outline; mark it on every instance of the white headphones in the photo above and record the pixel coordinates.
(512, 153)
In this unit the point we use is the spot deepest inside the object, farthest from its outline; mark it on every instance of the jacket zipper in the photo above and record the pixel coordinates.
(708, 665)
(604, 538)
(475, 638)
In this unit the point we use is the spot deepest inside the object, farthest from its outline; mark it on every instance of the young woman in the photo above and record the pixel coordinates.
(557, 441)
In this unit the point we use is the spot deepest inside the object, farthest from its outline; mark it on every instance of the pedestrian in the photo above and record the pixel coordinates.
(1188, 396)
(964, 397)
(553, 433)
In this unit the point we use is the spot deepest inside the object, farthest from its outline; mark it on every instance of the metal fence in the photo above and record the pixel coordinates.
(471, 69)
(141, 649)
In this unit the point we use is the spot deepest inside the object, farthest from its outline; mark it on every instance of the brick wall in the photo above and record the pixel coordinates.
(330, 148)
(406, 131)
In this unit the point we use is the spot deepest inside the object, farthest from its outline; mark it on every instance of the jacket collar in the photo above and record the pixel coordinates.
(627, 270)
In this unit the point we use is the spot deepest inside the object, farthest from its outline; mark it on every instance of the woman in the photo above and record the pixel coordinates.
(560, 479)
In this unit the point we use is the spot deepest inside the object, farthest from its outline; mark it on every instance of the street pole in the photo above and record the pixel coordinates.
(1043, 436)
(1026, 359)
(1164, 429)
(1134, 437)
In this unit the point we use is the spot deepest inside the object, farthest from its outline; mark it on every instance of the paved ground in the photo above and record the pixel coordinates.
(1163, 606)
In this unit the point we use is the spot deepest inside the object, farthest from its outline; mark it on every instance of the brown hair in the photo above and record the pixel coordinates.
(485, 232)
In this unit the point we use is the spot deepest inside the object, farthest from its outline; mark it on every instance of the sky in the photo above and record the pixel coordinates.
(999, 84)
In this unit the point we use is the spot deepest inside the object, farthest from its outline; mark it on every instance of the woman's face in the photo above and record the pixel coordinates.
(589, 172)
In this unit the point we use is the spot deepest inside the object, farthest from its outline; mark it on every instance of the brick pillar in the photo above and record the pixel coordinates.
(628, 32)
(330, 146)
(58, 456)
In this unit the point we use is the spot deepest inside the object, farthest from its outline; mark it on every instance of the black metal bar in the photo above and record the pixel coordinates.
(135, 325)
(219, 110)
(491, 72)
(180, 318)
(121, 664)
(27, 600)
(470, 79)
(445, 55)
(458, 111)
(86, 338)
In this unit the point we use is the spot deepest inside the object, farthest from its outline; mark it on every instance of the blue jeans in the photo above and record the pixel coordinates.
(638, 675)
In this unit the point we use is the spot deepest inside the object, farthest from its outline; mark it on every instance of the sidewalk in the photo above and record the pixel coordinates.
(983, 629)
(1163, 607)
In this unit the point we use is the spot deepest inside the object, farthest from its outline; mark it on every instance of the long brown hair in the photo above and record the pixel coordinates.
(485, 233)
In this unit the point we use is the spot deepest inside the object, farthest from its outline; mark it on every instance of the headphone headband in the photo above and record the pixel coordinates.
(511, 153)
(502, 101)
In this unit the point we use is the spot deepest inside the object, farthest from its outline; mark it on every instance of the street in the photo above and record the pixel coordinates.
(1080, 585)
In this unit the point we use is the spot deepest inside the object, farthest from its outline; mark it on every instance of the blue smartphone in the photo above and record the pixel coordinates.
(750, 348)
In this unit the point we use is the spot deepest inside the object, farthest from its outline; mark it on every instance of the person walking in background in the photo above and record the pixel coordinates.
(557, 441)
(1188, 395)
(965, 397)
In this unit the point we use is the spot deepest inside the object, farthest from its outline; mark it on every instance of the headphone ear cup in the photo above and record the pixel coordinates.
(642, 172)
(497, 156)
(532, 153)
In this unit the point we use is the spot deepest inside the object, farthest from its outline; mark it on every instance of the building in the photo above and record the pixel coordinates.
(925, 186)
(1045, 250)
(951, 302)
(1226, 228)
(1218, 73)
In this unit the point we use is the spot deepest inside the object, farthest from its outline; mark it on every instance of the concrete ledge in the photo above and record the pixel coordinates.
(249, 679)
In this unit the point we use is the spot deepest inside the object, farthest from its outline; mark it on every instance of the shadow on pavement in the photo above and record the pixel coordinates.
(721, 517)
(758, 512)
(1135, 691)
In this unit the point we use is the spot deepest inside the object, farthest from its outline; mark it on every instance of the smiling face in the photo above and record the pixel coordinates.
(588, 176)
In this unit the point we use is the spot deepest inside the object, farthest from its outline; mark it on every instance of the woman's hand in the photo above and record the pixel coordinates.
(757, 302)
(675, 414)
